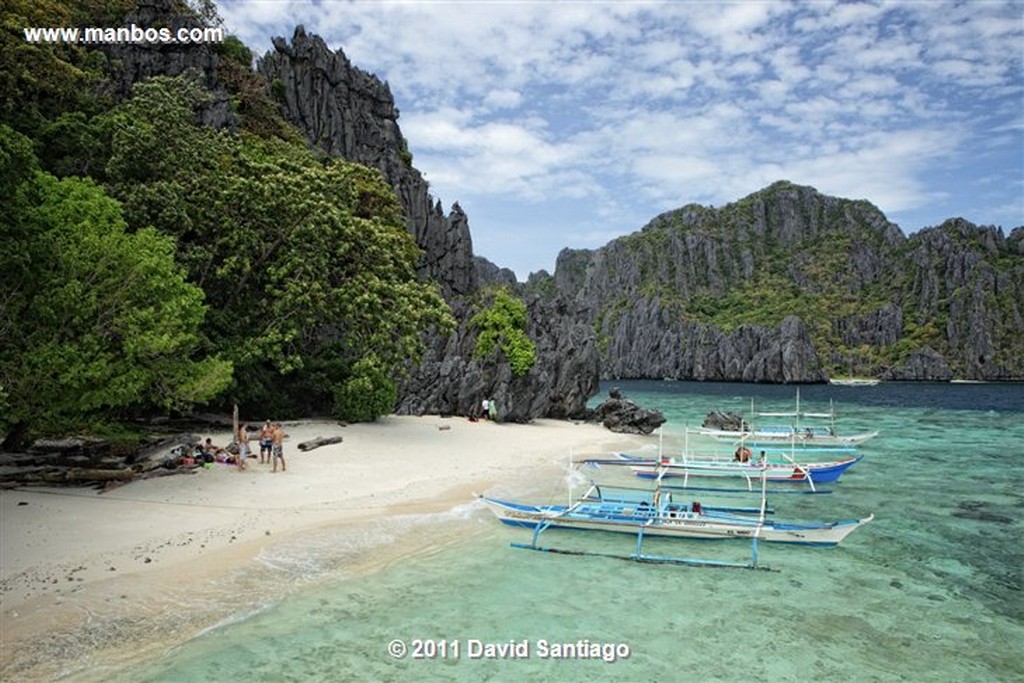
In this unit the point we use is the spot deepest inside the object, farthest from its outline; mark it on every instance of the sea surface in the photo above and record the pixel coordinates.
(929, 591)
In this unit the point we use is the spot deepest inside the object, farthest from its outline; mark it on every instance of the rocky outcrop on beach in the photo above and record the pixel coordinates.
(619, 414)
(726, 421)
(450, 381)
(350, 113)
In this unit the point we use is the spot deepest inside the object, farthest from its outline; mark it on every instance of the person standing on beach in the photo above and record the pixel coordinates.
(243, 445)
(484, 406)
(278, 447)
(493, 408)
(266, 442)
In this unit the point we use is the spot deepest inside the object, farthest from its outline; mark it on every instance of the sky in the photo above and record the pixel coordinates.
(567, 124)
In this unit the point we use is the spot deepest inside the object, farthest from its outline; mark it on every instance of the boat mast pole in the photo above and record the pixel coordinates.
(568, 482)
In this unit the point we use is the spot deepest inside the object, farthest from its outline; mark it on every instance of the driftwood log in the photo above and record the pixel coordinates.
(80, 461)
(318, 442)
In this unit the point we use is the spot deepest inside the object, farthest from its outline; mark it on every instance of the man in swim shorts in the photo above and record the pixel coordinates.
(277, 441)
(266, 442)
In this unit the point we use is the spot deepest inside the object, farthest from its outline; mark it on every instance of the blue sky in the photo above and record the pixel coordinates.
(569, 124)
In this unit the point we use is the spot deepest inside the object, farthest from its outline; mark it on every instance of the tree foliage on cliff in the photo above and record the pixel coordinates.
(97, 321)
(306, 262)
(502, 325)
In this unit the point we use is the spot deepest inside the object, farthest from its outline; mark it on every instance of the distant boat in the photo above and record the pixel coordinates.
(796, 433)
(854, 381)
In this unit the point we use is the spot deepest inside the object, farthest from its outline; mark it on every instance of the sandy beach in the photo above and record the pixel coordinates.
(69, 557)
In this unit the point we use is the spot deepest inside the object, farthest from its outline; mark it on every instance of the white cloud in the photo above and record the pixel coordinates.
(632, 108)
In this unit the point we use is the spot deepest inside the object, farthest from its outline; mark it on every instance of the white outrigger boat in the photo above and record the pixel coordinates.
(796, 433)
(854, 381)
(632, 511)
(662, 512)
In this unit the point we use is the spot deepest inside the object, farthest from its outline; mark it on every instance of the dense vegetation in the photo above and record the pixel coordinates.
(501, 326)
(155, 264)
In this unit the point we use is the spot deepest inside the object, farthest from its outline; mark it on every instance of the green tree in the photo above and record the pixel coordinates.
(98, 322)
(502, 325)
(306, 262)
(368, 392)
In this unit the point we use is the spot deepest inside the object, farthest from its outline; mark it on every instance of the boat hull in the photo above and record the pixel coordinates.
(668, 523)
(786, 436)
(815, 472)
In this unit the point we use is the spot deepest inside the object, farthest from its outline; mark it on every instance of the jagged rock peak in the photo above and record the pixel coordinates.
(351, 114)
(129, 63)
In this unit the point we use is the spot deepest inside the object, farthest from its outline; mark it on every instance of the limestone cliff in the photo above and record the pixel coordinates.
(351, 114)
(786, 285)
(451, 381)
(789, 285)
(129, 63)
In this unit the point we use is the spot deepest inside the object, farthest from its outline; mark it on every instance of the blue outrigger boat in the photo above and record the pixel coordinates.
(793, 472)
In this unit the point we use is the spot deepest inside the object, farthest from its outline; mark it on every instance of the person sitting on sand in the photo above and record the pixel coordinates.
(211, 450)
(277, 441)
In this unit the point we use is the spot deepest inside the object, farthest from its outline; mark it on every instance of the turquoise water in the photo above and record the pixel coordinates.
(930, 591)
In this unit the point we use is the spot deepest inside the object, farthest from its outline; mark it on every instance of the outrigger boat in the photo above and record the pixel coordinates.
(662, 513)
(791, 471)
(606, 509)
(796, 433)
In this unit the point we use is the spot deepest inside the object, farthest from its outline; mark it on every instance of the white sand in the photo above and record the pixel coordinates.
(57, 542)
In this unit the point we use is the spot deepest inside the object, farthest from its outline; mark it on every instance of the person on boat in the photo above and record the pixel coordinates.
(243, 445)
(742, 454)
(763, 458)
(266, 442)
(277, 446)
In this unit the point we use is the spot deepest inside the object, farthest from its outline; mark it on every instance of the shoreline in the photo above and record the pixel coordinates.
(75, 556)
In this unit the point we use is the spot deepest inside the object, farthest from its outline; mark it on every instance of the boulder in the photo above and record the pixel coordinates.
(626, 417)
(727, 421)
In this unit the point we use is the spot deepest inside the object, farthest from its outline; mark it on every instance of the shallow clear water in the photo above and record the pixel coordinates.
(931, 590)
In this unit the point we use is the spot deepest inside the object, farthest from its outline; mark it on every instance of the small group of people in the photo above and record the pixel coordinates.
(271, 448)
(208, 452)
(489, 409)
(272, 445)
